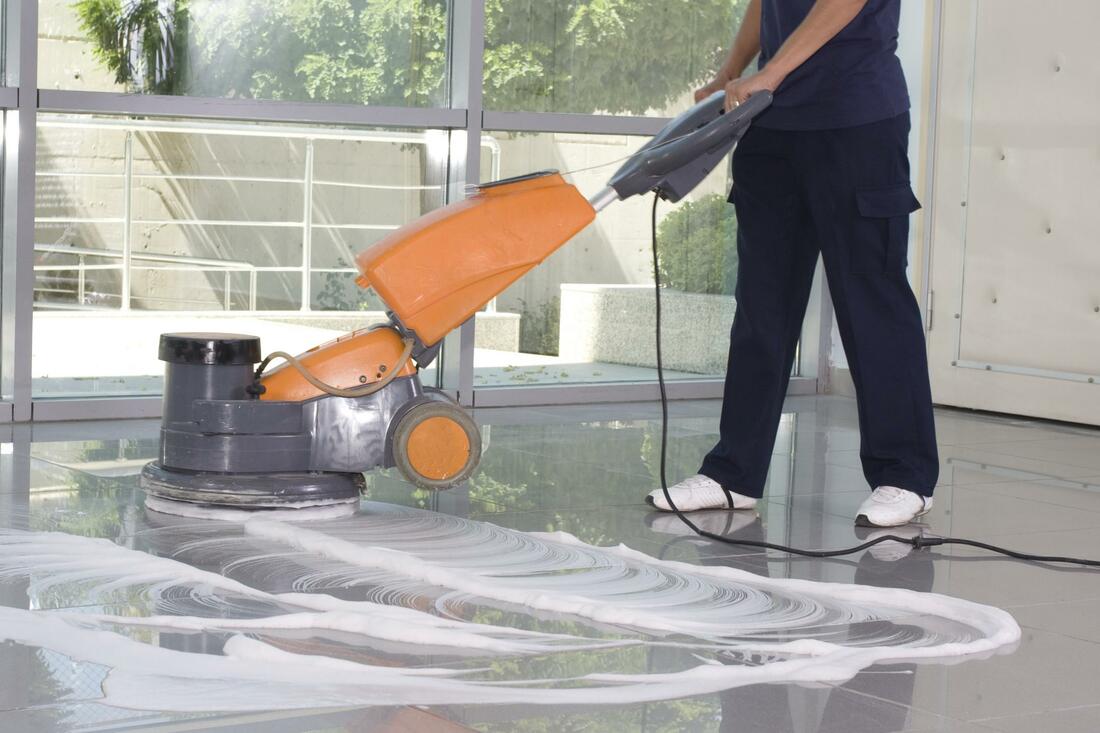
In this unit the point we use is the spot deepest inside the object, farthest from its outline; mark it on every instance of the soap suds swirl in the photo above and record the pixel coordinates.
(466, 596)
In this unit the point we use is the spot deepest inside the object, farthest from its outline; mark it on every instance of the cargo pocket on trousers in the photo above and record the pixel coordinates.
(881, 232)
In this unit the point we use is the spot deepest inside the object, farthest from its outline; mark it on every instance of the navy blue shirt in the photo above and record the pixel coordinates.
(854, 79)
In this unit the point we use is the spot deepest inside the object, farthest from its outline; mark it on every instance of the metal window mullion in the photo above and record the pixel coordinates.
(7, 268)
(466, 69)
(19, 204)
(581, 393)
(250, 110)
(149, 406)
(307, 227)
(96, 408)
(573, 123)
(127, 216)
(235, 128)
(931, 126)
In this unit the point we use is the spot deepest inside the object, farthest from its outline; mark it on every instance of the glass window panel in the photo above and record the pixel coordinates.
(589, 56)
(338, 291)
(587, 313)
(7, 245)
(145, 227)
(278, 290)
(347, 51)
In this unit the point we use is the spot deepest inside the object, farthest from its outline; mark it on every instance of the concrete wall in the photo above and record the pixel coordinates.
(614, 324)
(65, 59)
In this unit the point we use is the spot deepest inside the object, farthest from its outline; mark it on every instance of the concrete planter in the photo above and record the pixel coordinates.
(614, 324)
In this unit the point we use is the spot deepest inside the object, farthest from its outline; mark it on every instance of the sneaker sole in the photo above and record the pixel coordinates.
(863, 521)
(649, 500)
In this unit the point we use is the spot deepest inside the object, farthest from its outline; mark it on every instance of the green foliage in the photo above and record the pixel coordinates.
(696, 247)
(559, 55)
(616, 56)
(390, 52)
(339, 292)
(353, 51)
(142, 42)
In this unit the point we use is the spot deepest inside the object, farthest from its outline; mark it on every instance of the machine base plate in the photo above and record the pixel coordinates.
(251, 490)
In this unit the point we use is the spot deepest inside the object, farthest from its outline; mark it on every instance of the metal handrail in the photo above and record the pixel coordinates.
(147, 256)
(432, 139)
(188, 262)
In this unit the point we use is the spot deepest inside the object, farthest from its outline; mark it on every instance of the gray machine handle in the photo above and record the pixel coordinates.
(681, 155)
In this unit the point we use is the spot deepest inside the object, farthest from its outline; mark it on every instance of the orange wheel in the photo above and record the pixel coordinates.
(436, 445)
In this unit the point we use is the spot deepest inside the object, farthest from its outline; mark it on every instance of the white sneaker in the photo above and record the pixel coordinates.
(699, 492)
(889, 506)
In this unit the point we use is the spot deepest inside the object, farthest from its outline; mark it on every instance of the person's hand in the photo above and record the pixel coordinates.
(715, 85)
(738, 90)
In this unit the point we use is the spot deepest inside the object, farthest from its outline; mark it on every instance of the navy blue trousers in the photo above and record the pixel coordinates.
(845, 194)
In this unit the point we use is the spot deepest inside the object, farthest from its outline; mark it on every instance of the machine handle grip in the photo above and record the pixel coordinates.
(681, 155)
(668, 157)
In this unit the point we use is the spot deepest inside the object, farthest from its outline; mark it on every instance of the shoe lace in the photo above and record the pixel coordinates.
(889, 493)
(700, 481)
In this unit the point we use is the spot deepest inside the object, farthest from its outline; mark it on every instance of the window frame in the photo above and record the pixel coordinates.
(465, 119)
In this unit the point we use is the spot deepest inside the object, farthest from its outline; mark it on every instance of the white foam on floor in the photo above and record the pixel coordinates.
(100, 568)
(388, 559)
(251, 675)
(629, 592)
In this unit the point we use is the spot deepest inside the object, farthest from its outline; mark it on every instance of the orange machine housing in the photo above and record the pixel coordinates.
(439, 270)
(360, 357)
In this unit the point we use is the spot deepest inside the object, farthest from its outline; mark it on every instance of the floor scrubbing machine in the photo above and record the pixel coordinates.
(302, 433)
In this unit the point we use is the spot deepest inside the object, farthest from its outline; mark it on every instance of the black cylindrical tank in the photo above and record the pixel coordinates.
(205, 366)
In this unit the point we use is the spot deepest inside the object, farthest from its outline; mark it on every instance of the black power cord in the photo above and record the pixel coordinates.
(917, 542)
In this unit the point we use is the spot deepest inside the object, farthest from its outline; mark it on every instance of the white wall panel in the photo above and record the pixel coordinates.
(1032, 241)
(1016, 225)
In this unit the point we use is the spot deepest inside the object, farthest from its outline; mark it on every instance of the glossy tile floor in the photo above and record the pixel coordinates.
(1028, 485)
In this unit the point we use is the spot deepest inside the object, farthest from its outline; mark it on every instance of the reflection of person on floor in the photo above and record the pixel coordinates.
(824, 170)
(875, 700)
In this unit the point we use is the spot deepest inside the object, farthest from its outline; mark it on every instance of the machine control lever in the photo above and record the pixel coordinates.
(681, 155)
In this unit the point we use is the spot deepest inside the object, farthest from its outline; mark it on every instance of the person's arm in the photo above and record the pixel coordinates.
(825, 19)
(745, 48)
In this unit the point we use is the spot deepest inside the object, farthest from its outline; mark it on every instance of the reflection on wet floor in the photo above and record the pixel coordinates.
(549, 470)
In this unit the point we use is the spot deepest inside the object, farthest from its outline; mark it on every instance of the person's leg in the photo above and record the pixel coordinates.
(777, 255)
(860, 199)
